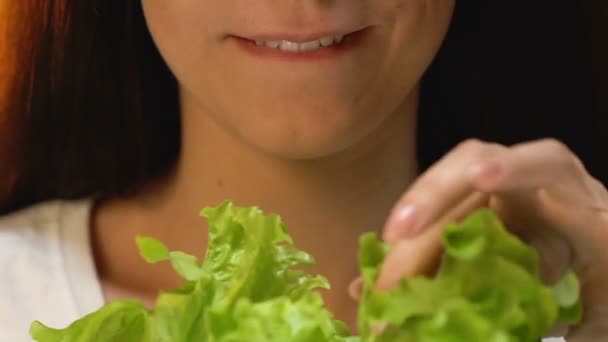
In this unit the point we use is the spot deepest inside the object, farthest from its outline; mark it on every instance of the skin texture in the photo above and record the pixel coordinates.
(329, 145)
(297, 110)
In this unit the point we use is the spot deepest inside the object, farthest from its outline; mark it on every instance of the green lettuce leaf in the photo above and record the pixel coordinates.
(488, 288)
(247, 289)
(250, 288)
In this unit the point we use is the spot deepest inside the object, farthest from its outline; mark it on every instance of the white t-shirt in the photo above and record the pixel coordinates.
(47, 271)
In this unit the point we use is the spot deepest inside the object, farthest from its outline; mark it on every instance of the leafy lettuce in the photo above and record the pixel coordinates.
(488, 288)
(250, 288)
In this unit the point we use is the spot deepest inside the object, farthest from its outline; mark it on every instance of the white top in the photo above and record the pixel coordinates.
(47, 272)
(47, 268)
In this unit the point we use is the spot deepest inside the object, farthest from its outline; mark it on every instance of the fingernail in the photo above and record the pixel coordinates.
(402, 223)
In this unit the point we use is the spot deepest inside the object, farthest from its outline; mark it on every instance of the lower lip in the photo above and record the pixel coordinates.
(350, 42)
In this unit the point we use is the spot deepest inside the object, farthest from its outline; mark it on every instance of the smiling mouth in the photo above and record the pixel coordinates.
(306, 46)
(294, 48)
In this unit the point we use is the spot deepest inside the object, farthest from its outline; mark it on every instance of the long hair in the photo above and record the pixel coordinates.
(90, 108)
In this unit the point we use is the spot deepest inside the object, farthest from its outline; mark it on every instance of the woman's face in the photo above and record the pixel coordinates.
(303, 104)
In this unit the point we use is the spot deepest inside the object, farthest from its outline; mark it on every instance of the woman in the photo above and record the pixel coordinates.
(342, 116)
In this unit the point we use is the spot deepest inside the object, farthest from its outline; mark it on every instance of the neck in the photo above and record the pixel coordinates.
(337, 197)
(326, 202)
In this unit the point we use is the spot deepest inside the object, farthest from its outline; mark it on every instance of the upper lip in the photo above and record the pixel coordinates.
(298, 37)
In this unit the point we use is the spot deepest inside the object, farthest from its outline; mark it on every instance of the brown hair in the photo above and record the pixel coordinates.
(92, 109)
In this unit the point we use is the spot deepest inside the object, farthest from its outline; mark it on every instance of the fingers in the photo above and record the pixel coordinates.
(545, 168)
(540, 184)
(547, 164)
(544, 174)
(566, 195)
(437, 190)
(421, 255)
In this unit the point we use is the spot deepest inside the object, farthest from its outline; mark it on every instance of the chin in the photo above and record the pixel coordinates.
(301, 136)
(307, 149)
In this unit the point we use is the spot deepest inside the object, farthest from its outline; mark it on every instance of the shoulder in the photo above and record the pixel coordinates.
(31, 231)
(38, 215)
(32, 259)
(35, 230)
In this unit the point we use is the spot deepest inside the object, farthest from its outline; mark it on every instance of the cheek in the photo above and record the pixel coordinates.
(188, 35)
(418, 28)
(178, 26)
(417, 34)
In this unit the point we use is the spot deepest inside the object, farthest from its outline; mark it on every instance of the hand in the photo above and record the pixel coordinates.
(541, 191)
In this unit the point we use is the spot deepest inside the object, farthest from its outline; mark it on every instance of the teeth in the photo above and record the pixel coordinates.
(273, 44)
(288, 46)
(293, 47)
(310, 46)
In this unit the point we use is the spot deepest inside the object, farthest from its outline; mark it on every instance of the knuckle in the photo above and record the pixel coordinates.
(556, 147)
(564, 153)
(479, 149)
(471, 144)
